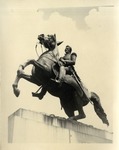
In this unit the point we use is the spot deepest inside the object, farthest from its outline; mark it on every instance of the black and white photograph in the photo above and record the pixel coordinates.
(59, 74)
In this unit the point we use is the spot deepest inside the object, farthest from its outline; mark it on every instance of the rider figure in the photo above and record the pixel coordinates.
(66, 67)
(66, 63)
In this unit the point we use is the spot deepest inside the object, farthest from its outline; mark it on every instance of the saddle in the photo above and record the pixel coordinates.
(56, 67)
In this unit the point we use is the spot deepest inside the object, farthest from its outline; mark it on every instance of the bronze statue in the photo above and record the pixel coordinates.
(72, 93)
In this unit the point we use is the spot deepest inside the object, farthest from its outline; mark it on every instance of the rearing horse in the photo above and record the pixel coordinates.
(73, 95)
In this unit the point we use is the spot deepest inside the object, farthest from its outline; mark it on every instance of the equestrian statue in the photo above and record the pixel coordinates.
(72, 93)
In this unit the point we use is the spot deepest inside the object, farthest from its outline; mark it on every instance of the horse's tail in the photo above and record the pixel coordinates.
(98, 108)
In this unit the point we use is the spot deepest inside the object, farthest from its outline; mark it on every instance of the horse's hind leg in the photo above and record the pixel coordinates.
(69, 112)
(81, 114)
(77, 117)
(79, 107)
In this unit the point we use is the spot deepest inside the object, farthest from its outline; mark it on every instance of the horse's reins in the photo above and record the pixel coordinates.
(36, 49)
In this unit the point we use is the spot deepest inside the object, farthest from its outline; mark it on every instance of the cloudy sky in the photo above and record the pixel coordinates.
(91, 30)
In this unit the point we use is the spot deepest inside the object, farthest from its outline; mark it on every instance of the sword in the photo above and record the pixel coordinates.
(80, 86)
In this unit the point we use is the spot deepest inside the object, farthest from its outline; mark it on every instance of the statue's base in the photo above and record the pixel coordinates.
(28, 126)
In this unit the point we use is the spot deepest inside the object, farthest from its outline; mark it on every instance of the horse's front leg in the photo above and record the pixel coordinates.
(20, 74)
(15, 86)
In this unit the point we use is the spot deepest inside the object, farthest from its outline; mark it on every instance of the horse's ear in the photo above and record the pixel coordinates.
(55, 36)
(58, 43)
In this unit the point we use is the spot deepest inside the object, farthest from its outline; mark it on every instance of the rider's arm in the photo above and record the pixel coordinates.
(72, 61)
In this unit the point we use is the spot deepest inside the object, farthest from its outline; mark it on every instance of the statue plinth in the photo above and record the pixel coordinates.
(26, 126)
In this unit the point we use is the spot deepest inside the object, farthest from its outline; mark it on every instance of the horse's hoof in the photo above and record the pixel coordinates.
(16, 90)
(81, 116)
(71, 119)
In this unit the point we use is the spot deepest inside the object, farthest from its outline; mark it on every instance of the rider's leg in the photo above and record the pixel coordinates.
(62, 73)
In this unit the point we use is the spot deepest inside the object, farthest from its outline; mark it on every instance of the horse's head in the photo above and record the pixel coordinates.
(48, 41)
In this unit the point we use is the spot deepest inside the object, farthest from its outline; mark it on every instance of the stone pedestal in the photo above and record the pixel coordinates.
(25, 126)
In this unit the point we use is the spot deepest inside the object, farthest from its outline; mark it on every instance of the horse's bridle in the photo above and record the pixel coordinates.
(43, 41)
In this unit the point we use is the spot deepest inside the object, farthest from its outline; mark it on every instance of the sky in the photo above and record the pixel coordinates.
(92, 32)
